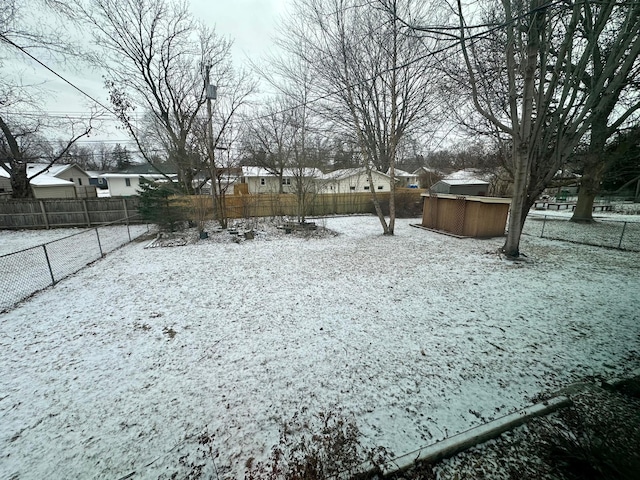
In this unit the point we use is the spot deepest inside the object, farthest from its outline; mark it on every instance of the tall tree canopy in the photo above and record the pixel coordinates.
(537, 77)
(154, 55)
(376, 82)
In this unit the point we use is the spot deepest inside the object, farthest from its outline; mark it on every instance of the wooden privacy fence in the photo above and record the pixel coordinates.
(273, 205)
(50, 213)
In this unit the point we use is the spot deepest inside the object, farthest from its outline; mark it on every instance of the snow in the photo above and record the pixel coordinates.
(421, 336)
(15, 240)
(27, 267)
(466, 176)
(610, 229)
(465, 181)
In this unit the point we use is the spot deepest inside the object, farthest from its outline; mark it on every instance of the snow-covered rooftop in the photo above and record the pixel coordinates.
(470, 174)
(287, 172)
(42, 180)
(49, 181)
(464, 181)
(349, 172)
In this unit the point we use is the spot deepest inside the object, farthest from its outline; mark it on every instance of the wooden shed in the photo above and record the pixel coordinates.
(464, 215)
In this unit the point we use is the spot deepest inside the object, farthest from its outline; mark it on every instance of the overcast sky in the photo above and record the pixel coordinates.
(251, 24)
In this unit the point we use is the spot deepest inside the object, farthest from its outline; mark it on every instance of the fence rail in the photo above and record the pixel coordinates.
(620, 234)
(50, 213)
(27, 271)
(274, 205)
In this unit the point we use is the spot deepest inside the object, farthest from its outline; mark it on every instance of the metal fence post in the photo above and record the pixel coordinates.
(544, 222)
(624, 226)
(128, 230)
(99, 244)
(46, 255)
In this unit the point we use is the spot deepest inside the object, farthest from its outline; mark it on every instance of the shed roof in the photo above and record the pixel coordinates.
(464, 181)
(49, 181)
(474, 198)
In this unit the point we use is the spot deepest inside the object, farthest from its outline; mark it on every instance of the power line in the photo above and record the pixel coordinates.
(432, 29)
(458, 42)
(5, 39)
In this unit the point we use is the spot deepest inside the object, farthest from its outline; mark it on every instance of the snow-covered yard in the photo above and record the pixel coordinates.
(28, 267)
(117, 368)
(610, 229)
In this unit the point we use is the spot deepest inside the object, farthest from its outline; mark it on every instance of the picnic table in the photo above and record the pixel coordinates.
(547, 205)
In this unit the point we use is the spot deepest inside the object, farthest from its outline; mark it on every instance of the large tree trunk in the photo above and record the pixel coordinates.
(594, 169)
(517, 213)
(19, 181)
(376, 204)
(589, 188)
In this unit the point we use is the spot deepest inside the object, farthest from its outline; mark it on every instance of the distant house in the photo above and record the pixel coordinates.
(260, 180)
(52, 181)
(71, 172)
(128, 184)
(95, 179)
(351, 180)
(228, 177)
(427, 176)
(466, 186)
(406, 179)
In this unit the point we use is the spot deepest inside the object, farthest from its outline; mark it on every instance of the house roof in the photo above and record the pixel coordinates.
(146, 168)
(151, 176)
(421, 170)
(43, 180)
(349, 172)
(53, 170)
(287, 172)
(401, 173)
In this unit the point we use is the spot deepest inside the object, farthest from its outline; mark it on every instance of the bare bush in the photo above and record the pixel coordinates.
(328, 446)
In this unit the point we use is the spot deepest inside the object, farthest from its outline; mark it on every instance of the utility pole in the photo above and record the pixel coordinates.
(218, 197)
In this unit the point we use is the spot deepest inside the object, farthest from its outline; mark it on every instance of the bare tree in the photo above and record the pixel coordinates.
(526, 76)
(153, 53)
(270, 138)
(222, 133)
(27, 31)
(376, 82)
(618, 102)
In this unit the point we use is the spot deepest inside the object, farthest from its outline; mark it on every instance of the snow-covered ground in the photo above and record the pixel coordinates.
(609, 230)
(28, 267)
(15, 240)
(119, 367)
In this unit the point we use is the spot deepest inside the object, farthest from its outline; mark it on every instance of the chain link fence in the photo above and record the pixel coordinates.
(28, 271)
(612, 233)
